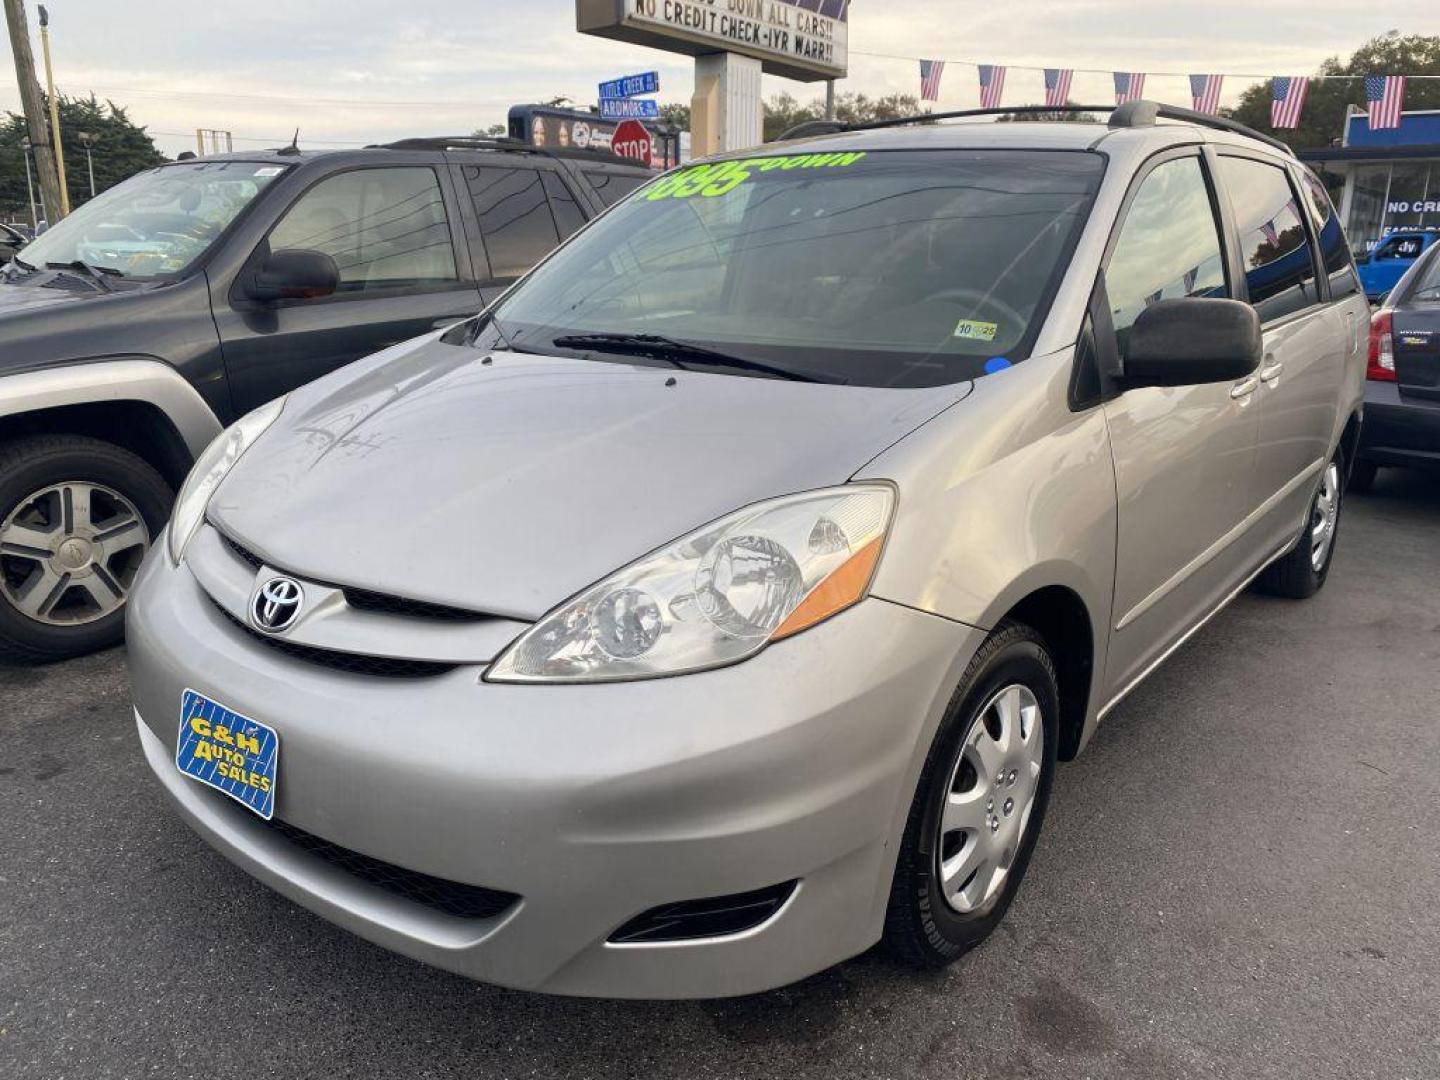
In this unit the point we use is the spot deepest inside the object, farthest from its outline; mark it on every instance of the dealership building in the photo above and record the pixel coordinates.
(1391, 176)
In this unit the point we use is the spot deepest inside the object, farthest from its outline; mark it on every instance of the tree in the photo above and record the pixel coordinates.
(676, 115)
(1051, 116)
(783, 112)
(1322, 122)
(119, 148)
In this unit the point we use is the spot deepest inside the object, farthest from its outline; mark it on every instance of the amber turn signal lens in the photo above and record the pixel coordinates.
(837, 592)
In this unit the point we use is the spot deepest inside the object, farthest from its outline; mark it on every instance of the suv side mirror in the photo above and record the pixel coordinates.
(1192, 340)
(293, 275)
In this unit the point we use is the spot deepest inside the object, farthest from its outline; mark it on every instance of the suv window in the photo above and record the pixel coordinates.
(1274, 247)
(385, 228)
(1169, 245)
(515, 217)
(1400, 247)
(1333, 248)
(612, 187)
(568, 216)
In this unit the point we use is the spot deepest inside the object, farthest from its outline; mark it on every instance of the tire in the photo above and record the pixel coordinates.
(1362, 476)
(116, 505)
(1300, 573)
(923, 928)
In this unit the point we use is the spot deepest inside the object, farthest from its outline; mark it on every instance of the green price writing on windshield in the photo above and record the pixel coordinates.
(725, 176)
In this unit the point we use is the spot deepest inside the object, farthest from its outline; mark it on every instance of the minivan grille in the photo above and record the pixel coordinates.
(368, 600)
(380, 667)
(439, 894)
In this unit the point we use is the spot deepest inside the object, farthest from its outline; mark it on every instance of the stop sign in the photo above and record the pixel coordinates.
(633, 141)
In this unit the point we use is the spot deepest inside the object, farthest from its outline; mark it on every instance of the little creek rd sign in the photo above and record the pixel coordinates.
(798, 39)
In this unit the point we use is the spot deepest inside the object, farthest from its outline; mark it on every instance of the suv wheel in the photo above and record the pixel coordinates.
(77, 516)
(1301, 572)
(980, 802)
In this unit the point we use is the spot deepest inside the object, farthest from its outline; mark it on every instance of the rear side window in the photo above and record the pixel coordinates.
(1274, 248)
(385, 229)
(1169, 245)
(1333, 247)
(612, 187)
(515, 217)
(568, 216)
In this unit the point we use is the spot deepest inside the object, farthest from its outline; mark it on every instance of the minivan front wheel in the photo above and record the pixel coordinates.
(77, 516)
(979, 804)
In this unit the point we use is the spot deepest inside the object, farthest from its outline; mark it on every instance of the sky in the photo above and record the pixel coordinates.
(350, 72)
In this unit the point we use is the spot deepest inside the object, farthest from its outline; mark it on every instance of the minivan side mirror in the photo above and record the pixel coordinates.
(293, 275)
(1192, 340)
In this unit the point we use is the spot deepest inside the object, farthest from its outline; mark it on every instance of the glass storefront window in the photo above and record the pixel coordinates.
(1367, 206)
(1405, 205)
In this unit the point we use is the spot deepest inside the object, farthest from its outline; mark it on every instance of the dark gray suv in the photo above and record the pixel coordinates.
(139, 326)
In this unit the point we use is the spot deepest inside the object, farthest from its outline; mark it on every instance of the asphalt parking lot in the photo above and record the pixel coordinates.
(1239, 879)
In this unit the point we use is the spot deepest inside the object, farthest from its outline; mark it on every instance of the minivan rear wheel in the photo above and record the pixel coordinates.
(77, 515)
(979, 804)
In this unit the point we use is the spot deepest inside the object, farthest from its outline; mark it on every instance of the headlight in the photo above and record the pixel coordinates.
(717, 596)
(214, 462)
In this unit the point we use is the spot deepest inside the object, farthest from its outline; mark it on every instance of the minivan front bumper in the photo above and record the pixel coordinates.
(592, 804)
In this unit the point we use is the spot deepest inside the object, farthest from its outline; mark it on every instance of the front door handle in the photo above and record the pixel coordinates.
(1245, 387)
(1271, 372)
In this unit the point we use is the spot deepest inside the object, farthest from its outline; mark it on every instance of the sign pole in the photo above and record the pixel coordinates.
(726, 112)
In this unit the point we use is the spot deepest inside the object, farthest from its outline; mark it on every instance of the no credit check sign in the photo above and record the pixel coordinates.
(629, 109)
(645, 83)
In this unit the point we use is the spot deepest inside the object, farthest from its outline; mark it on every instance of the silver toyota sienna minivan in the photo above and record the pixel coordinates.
(719, 602)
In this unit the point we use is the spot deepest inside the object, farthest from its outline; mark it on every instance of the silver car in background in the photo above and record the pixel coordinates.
(721, 600)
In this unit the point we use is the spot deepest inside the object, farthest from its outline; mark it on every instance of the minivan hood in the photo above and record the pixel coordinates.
(506, 483)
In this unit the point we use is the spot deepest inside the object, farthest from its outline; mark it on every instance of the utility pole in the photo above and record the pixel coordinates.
(54, 114)
(32, 102)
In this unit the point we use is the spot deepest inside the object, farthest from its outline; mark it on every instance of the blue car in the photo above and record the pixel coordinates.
(1382, 269)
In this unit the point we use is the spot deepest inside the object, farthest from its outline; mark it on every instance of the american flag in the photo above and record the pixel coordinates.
(1385, 95)
(1155, 297)
(1191, 276)
(1271, 236)
(930, 73)
(992, 85)
(1057, 86)
(1287, 98)
(1129, 86)
(1205, 92)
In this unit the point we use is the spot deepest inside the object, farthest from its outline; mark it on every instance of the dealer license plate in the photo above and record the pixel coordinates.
(230, 752)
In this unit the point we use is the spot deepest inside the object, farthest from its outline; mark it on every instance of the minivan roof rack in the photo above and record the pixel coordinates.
(514, 146)
(1132, 114)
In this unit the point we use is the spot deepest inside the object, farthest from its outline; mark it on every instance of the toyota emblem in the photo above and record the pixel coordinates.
(276, 605)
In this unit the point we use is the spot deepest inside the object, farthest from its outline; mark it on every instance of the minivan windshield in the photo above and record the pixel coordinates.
(869, 268)
(156, 223)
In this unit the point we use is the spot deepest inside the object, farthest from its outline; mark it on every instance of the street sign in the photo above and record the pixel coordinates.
(647, 82)
(629, 109)
(633, 141)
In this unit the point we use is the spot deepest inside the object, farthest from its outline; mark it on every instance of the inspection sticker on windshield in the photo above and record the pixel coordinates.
(230, 752)
(976, 331)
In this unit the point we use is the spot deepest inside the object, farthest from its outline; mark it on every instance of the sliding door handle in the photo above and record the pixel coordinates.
(1245, 387)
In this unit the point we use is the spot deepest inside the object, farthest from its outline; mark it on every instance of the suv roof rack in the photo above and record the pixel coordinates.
(514, 146)
(1132, 114)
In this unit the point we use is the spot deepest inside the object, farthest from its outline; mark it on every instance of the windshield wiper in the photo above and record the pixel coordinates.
(97, 273)
(677, 352)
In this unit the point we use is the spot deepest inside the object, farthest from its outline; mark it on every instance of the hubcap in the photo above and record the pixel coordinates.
(992, 790)
(1323, 517)
(69, 553)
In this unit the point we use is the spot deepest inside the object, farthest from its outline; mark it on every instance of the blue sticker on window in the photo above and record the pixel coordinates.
(996, 363)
